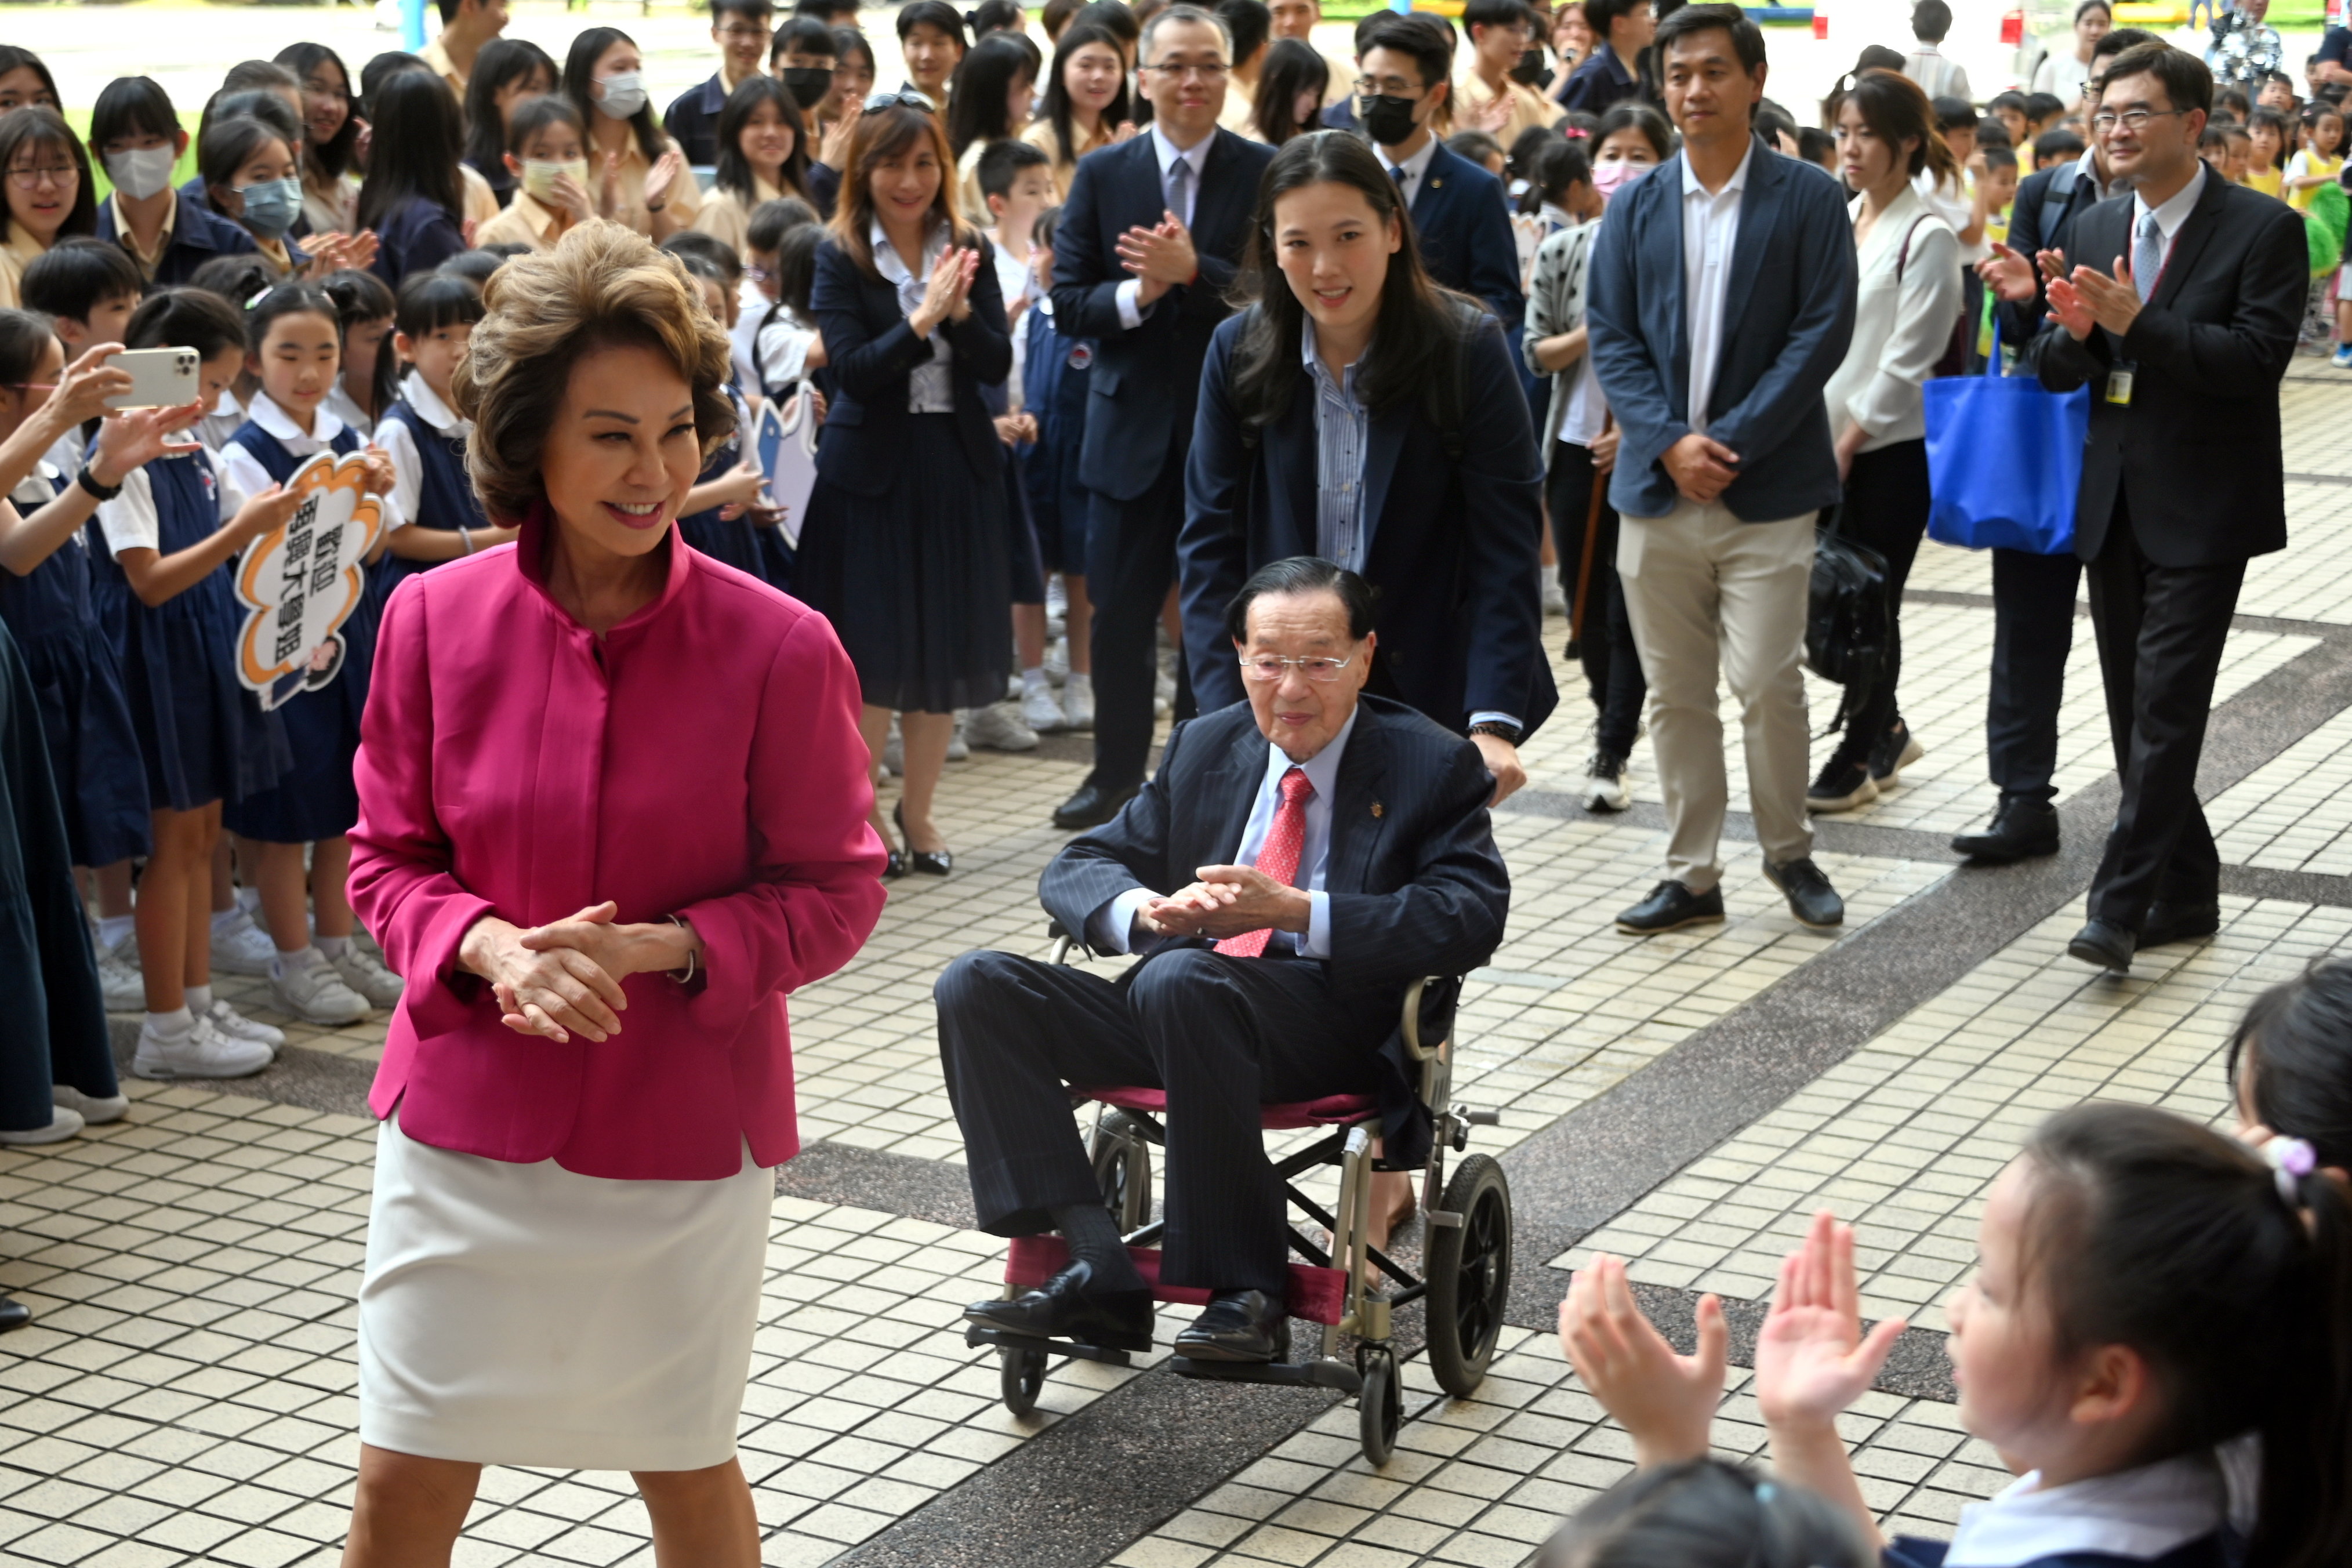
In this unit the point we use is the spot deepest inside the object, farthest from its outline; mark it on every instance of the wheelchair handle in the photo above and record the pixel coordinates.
(1412, 1029)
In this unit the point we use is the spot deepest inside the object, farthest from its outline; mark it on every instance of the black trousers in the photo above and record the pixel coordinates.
(1222, 1035)
(1885, 508)
(1612, 668)
(2033, 632)
(2162, 631)
(1130, 561)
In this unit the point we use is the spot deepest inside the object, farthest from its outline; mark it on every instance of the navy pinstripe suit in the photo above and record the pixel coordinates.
(1417, 887)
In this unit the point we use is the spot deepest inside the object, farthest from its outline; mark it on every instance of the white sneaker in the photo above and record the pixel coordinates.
(119, 978)
(1057, 662)
(1057, 600)
(1041, 712)
(203, 1052)
(894, 752)
(94, 1111)
(310, 989)
(361, 971)
(1555, 600)
(235, 1025)
(1078, 700)
(999, 728)
(242, 947)
(958, 748)
(63, 1124)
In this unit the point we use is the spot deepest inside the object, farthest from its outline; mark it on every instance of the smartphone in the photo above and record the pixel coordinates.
(160, 378)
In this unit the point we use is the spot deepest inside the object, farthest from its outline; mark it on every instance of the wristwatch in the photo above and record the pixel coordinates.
(90, 482)
(1507, 733)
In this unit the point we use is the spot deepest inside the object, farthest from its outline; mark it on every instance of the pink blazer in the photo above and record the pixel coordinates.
(703, 761)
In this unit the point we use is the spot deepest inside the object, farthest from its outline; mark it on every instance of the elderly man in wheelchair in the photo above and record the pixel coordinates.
(1300, 862)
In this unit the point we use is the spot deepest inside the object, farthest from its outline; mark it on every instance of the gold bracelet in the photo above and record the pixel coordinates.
(687, 978)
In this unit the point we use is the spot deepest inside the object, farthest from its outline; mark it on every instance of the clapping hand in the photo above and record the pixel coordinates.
(1666, 1402)
(945, 291)
(1161, 256)
(1812, 1359)
(2008, 274)
(662, 177)
(2113, 302)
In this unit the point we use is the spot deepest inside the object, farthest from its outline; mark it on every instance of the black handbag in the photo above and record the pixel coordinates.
(1846, 616)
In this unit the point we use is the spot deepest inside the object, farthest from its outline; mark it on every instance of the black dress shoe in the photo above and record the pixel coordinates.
(1811, 897)
(1238, 1325)
(1670, 907)
(2105, 944)
(1093, 805)
(929, 862)
(1067, 1307)
(2020, 830)
(13, 1314)
(2178, 922)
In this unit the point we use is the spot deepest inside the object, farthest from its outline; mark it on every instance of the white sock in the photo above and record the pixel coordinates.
(1033, 679)
(224, 918)
(176, 1025)
(112, 929)
(248, 900)
(200, 1000)
(1083, 679)
(285, 963)
(332, 946)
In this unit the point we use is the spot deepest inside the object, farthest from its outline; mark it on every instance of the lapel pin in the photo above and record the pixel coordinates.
(1376, 808)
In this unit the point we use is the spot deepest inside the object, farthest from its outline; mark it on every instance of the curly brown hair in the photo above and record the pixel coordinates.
(603, 284)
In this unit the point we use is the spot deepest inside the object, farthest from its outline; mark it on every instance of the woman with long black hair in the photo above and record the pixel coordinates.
(1086, 104)
(763, 157)
(331, 136)
(507, 72)
(413, 197)
(639, 176)
(994, 88)
(1290, 88)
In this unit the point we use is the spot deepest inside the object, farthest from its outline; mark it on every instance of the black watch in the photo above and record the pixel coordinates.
(1507, 734)
(88, 481)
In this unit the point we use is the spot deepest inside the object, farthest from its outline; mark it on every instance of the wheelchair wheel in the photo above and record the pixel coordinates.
(1122, 1166)
(1377, 1405)
(1022, 1376)
(1469, 1270)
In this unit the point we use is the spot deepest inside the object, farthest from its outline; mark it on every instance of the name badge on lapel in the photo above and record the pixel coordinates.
(2119, 385)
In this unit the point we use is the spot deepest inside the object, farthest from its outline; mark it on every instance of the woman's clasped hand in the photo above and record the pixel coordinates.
(565, 976)
(947, 292)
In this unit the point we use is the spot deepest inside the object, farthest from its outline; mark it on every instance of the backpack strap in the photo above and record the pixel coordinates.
(2056, 197)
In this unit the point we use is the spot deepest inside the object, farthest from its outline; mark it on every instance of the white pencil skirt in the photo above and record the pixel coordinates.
(529, 1315)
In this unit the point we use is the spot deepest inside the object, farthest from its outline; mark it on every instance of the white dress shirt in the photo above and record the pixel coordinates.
(1108, 927)
(1132, 309)
(242, 472)
(400, 445)
(2138, 1514)
(1710, 230)
(929, 388)
(130, 520)
(1414, 168)
(2170, 216)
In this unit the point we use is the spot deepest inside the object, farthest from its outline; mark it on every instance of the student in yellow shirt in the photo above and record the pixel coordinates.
(1486, 96)
(2321, 159)
(2266, 133)
(465, 26)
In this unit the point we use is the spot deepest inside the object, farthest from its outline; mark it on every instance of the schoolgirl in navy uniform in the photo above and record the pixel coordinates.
(162, 587)
(726, 515)
(296, 339)
(439, 517)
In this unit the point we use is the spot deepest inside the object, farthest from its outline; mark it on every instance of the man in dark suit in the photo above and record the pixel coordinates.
(2178, 306)
(2033, 595)
(1149, 242)
(1460, 219)
(1300, 859)
(1723, 299)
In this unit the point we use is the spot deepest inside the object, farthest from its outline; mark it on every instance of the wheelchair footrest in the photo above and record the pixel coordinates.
(1323, 1373)
(976, 1336)
(1318, 1295)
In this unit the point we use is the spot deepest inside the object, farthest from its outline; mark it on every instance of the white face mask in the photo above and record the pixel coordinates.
(539, 175)
(141, 172)
(625, 94)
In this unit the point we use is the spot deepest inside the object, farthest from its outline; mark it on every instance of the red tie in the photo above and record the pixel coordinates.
(1278, 857)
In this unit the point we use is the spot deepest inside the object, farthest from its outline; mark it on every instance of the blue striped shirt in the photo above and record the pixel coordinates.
(1343, 430)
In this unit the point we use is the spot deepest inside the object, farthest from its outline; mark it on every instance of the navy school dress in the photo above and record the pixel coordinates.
(203, 737)
(317, 798)
(2217, 1549)
(1053, 377)
(740, 542)
(445, 498)
(78, 688)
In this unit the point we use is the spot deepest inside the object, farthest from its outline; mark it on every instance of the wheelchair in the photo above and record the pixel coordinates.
(1465, 1277)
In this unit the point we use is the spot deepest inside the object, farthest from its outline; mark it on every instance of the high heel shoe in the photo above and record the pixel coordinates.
(929, 862)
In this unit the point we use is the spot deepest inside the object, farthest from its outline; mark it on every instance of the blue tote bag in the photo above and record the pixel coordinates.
(2004, 460)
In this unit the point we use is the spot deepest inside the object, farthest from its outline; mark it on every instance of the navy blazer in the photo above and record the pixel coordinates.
(1417, 887)
(198, 233)
(1788, 316)
(1452, 545)
(1145, 382)
(1464, 226)
(417, 235)
(2196, 454)
(871, 351)
(2020, 323)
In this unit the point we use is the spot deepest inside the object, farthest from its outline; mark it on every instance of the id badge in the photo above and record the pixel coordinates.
(2119, 385)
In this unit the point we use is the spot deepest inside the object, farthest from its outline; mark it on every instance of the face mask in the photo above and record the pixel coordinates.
(1531, 71)
(1388, 120)
(141, 171)
(625, 94)
(270, 206)
(1610, 178)
(808, 84)
(539, 175)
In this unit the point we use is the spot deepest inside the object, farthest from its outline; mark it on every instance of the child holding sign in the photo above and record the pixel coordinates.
(297, 350)
(162, 587)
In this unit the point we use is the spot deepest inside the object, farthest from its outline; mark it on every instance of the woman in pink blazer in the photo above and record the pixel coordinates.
(613, 809)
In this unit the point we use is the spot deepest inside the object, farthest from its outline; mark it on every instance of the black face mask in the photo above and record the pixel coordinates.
(808, 84)
(1386, 119)
(1531, 71)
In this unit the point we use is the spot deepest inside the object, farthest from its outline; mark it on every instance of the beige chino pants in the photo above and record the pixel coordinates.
(1705, 591)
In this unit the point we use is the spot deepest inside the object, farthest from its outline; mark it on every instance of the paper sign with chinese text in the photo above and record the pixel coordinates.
(300, 582)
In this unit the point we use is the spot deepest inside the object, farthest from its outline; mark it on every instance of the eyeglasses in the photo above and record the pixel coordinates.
(906, 98)
(1216, 72)
(57, 173)
(1266, 667)
(2132, 119)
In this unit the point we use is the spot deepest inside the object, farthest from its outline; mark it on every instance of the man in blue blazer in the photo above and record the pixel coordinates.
(1460, 217)
(1723, 299)
(1149, 242)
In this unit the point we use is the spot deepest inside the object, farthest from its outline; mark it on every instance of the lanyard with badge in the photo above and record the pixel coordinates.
(2120, 374)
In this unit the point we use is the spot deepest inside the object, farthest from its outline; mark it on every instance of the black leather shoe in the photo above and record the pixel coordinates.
(1067, 1307)
(2178, 922)
(1093, 805)
(2020, 830)
(1811, 897)
(2105, 944)
(13, 1314)
(1670, 907)
(929, 862)
(1238, 1325)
